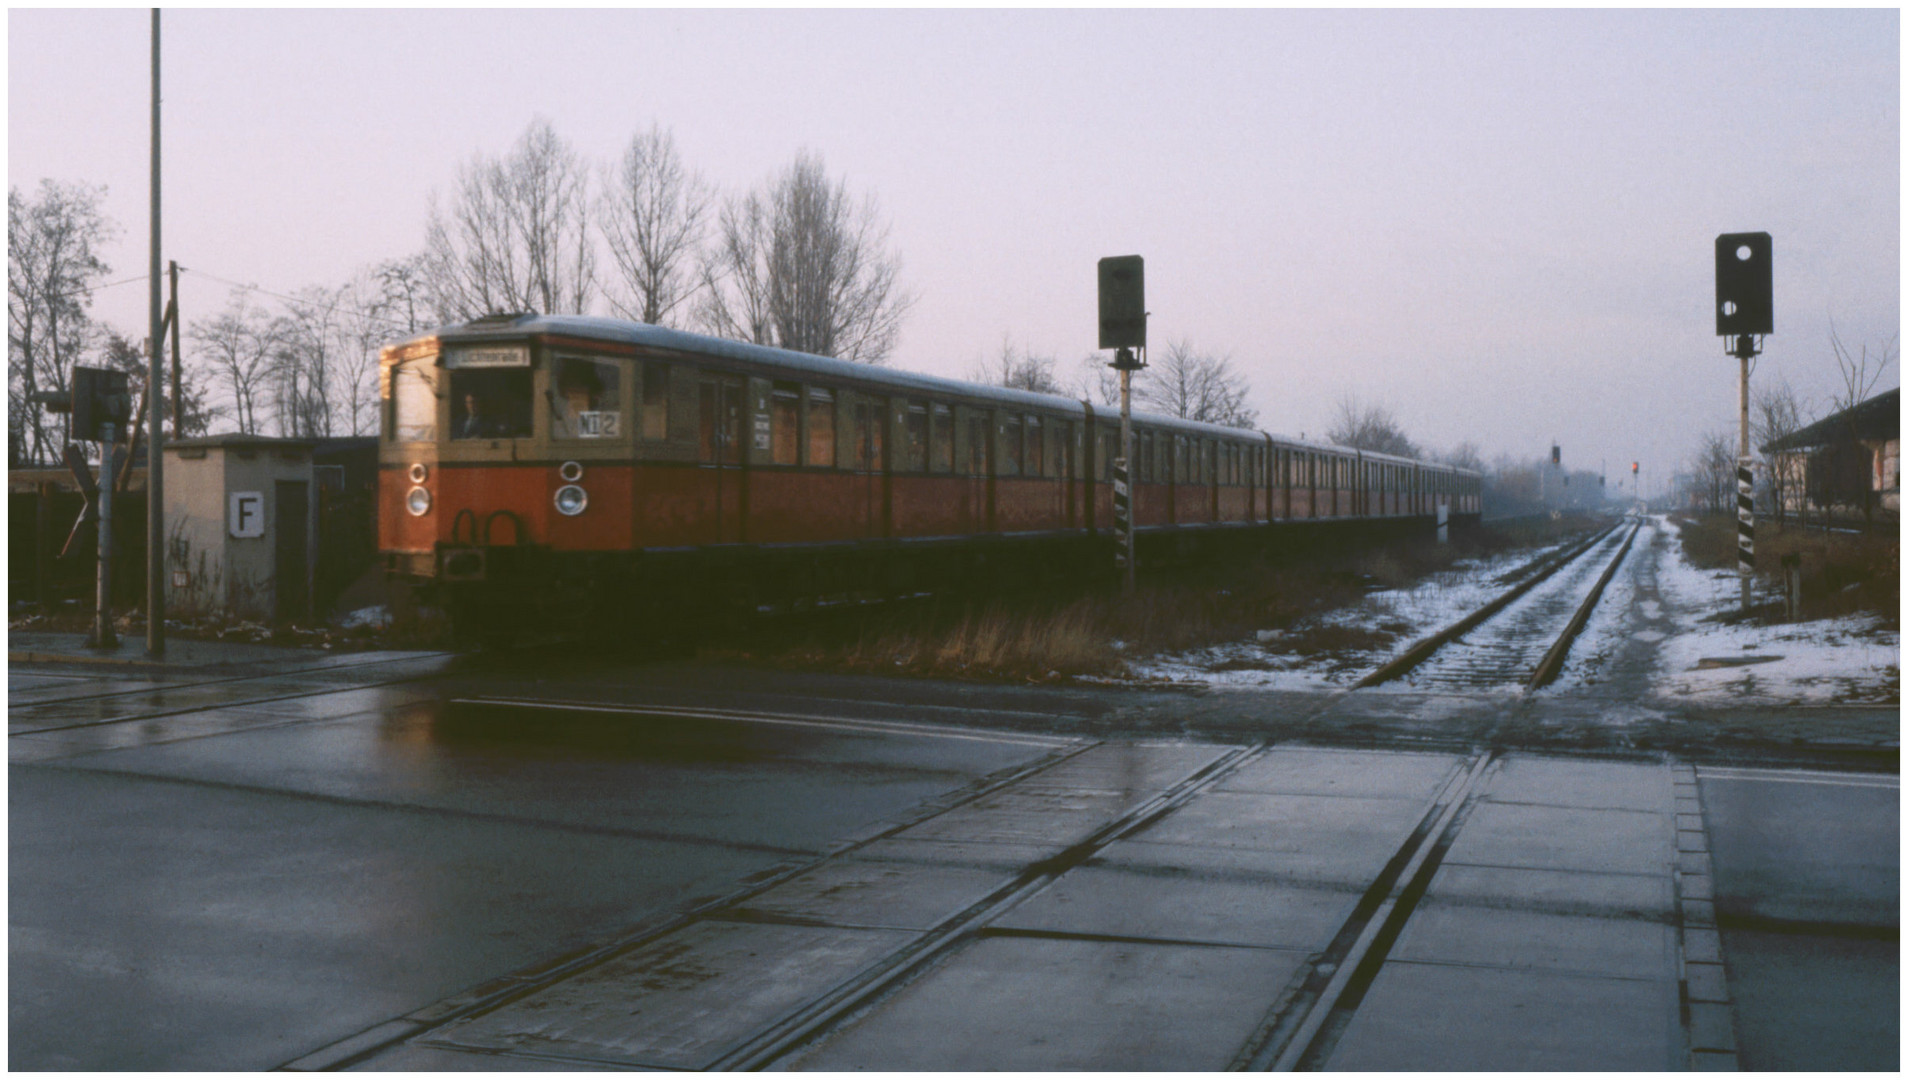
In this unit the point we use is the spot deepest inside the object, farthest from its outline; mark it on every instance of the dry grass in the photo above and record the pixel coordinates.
(1044, 638)
(1842, 573)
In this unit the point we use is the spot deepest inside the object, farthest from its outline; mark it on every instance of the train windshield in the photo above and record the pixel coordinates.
(587, 402)
(490, 403)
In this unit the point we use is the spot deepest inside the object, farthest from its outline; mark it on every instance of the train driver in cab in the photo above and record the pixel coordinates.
(480, 421)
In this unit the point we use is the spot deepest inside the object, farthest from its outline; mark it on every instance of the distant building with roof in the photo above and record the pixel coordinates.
(1848, 459)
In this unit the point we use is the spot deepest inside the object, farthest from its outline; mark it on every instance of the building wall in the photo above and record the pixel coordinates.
(225, 575)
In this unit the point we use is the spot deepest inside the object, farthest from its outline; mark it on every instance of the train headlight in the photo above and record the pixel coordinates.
(418, 502)
(570, 500)
(571, 471)
(419, 472)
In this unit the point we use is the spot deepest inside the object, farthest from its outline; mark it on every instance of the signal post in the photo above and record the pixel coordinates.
(1745, 311)
(1123, 328)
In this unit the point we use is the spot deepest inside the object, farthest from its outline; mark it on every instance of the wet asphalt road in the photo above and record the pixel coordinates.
(1808, 897)
(234, 887)
(241, 874)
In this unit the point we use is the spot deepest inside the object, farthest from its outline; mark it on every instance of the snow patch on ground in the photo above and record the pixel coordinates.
(1850, 660)
(1269, 663)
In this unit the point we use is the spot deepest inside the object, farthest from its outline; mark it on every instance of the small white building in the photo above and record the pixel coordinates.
(241, 527)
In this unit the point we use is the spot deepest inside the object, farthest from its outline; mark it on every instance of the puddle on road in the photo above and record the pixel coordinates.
(517, 732)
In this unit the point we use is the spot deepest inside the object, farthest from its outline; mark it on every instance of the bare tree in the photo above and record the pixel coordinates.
(735, 274)
(1366, 426)
(1019, 369)
(801, 265)
(1095, 380)
(239, 346)
(129, 356)
(1464, 455)
(1860, 371)
(1714, 470)
(53, 264)
(305, 346)
(653, 215)
(1776, 413)
(403, 292)
(1193, 385)
(517, 237)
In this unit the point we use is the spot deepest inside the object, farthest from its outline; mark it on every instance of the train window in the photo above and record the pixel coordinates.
(1062, 448)
(415, 402)
(940, 438)
(821, 428)
(490, 403)
(916, 437)
(1036, 448)
(720, 415)
(587, 399)
(870, 444)
(1010, 447)
(785, 423)
(977, 427)
(655, 400)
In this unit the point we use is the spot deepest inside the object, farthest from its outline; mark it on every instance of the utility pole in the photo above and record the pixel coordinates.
(1123, 328)
(155, 380)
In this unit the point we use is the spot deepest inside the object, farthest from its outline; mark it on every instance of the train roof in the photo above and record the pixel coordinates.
(621, 331)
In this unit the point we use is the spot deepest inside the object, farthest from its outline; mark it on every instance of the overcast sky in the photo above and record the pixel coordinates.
(1498, 224)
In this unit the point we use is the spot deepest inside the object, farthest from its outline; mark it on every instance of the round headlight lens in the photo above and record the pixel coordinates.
(570, 500)
(418, 502)
(571, 471)
(419, 471)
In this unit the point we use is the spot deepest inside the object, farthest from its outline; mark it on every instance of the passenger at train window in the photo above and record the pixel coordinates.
(587, 401)
(655, 400)
(785, 401)
(821, 427)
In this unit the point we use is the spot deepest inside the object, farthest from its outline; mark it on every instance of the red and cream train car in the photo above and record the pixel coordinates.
(527, 460)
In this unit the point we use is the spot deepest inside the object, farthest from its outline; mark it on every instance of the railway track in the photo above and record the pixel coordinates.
(1523, 636)
(689, 991)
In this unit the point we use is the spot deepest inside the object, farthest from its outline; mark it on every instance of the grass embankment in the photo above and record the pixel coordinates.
(1843, 573)
(1049, 637)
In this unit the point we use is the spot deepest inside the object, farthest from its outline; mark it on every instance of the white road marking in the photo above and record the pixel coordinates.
(1799, 776)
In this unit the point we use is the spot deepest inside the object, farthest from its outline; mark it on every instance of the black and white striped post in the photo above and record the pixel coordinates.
(1745, 525)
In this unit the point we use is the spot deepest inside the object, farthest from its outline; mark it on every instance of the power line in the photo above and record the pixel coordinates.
(91, 289)
(365, 312)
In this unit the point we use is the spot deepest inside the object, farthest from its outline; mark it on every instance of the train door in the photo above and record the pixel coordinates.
(719, 451)
(871, 465)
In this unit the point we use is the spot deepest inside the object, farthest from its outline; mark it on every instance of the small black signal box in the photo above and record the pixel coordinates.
(1123, 302)
(100, 398)
(1744, 285)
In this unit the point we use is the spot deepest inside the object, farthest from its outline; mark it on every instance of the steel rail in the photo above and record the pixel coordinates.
(1422, 650)
(1552, 664)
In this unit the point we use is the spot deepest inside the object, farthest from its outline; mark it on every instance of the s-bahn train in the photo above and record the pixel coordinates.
(548, 464)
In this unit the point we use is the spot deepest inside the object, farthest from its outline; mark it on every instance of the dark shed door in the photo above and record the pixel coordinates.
(291, 576)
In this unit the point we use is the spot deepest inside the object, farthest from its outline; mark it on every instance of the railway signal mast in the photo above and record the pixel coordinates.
(1123, 328)
(1745, 311)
